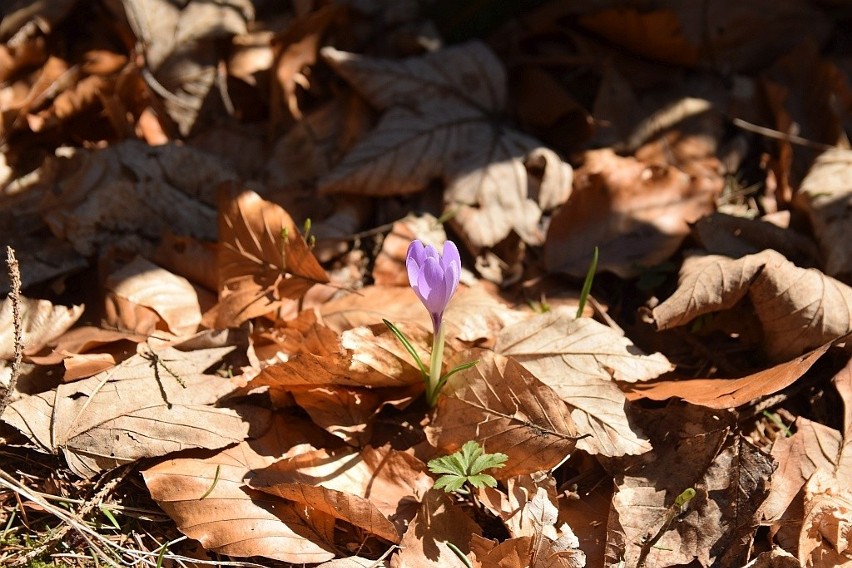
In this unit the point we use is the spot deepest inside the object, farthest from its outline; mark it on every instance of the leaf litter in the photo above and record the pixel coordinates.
(213, 206)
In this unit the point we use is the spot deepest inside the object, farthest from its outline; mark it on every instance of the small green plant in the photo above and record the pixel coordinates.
(434, 277)
(466, 466)
(587, 283)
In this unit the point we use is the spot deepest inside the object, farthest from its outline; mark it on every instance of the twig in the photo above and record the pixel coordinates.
(15, 298)
(109, 482)
(778, 135)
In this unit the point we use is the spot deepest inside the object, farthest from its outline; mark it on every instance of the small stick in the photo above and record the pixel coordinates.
(15, 297)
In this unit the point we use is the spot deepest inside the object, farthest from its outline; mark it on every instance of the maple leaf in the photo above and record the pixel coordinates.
(439, 122)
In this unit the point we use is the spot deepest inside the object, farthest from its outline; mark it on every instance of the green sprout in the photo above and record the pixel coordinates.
(466, 466)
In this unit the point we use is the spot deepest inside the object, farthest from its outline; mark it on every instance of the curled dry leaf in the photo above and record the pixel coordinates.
(507, 410)
(439, 124)
(141, 287)
(181, 48)
(150, 405)
(361, 357)
(579, 359)
(693, 448)
(798, 309)
(637, 214)
(41, 323)
(376, 489)
(210, 501)
(826, 196)
(730, 393)
(512, 506)
(439, 521)
(263, 260)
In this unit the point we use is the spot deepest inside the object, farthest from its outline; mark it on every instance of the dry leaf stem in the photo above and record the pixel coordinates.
(15, 297)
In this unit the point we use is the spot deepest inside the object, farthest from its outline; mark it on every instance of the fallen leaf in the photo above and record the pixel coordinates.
(296, 49)
(129, 194)
(41, 323)
(376, 489)
(439, 521)
(812, 447)
(693, 448)
(360, 357)
(263, 260)
(142, 284)
(505, 408)
(138, 409)
(180, 48)
(826, 196)
(438, 124)
(210, 500)
(735, 237)
(636, 214)
(723, 393)
(512, 505)
(579, 359)
(799, 309)
(826, 537)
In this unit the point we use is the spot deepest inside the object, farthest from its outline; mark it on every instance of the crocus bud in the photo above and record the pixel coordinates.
(434, 277)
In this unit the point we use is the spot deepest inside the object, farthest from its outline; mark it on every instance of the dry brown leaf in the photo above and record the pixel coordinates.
(729, 235)
(342, 411)
(181, 51)
(826, 532)
(361, 357)
(437, 124)
(579, 359)
(41, 323)
(812, 447)
(88, 350)
(512, 505)
(737, 33)
(142, 284)
(635, 213)
(129, 193)
(210, 501)
(693, 448)
(295, 49)
(529, 510)
(139, 409)
(826, 196)
(439, 521)
(263, 260)
(730, 393)
(376, 489)
(798, 309)
(506, 409)
(188, 257)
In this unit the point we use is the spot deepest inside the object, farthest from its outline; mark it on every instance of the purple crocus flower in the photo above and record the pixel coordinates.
(434, 277)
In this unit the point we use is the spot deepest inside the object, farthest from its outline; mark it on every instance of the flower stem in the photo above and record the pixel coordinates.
(435, 365)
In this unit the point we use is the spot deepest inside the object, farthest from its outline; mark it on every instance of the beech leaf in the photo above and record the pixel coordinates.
(579, 359)
(234, 519)
(41, 322)
(263, 260)
(135, 410)
(506, 409)
(799, 309)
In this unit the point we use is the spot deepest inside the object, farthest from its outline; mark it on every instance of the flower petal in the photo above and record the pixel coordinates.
(414, 260)
(431, 287)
